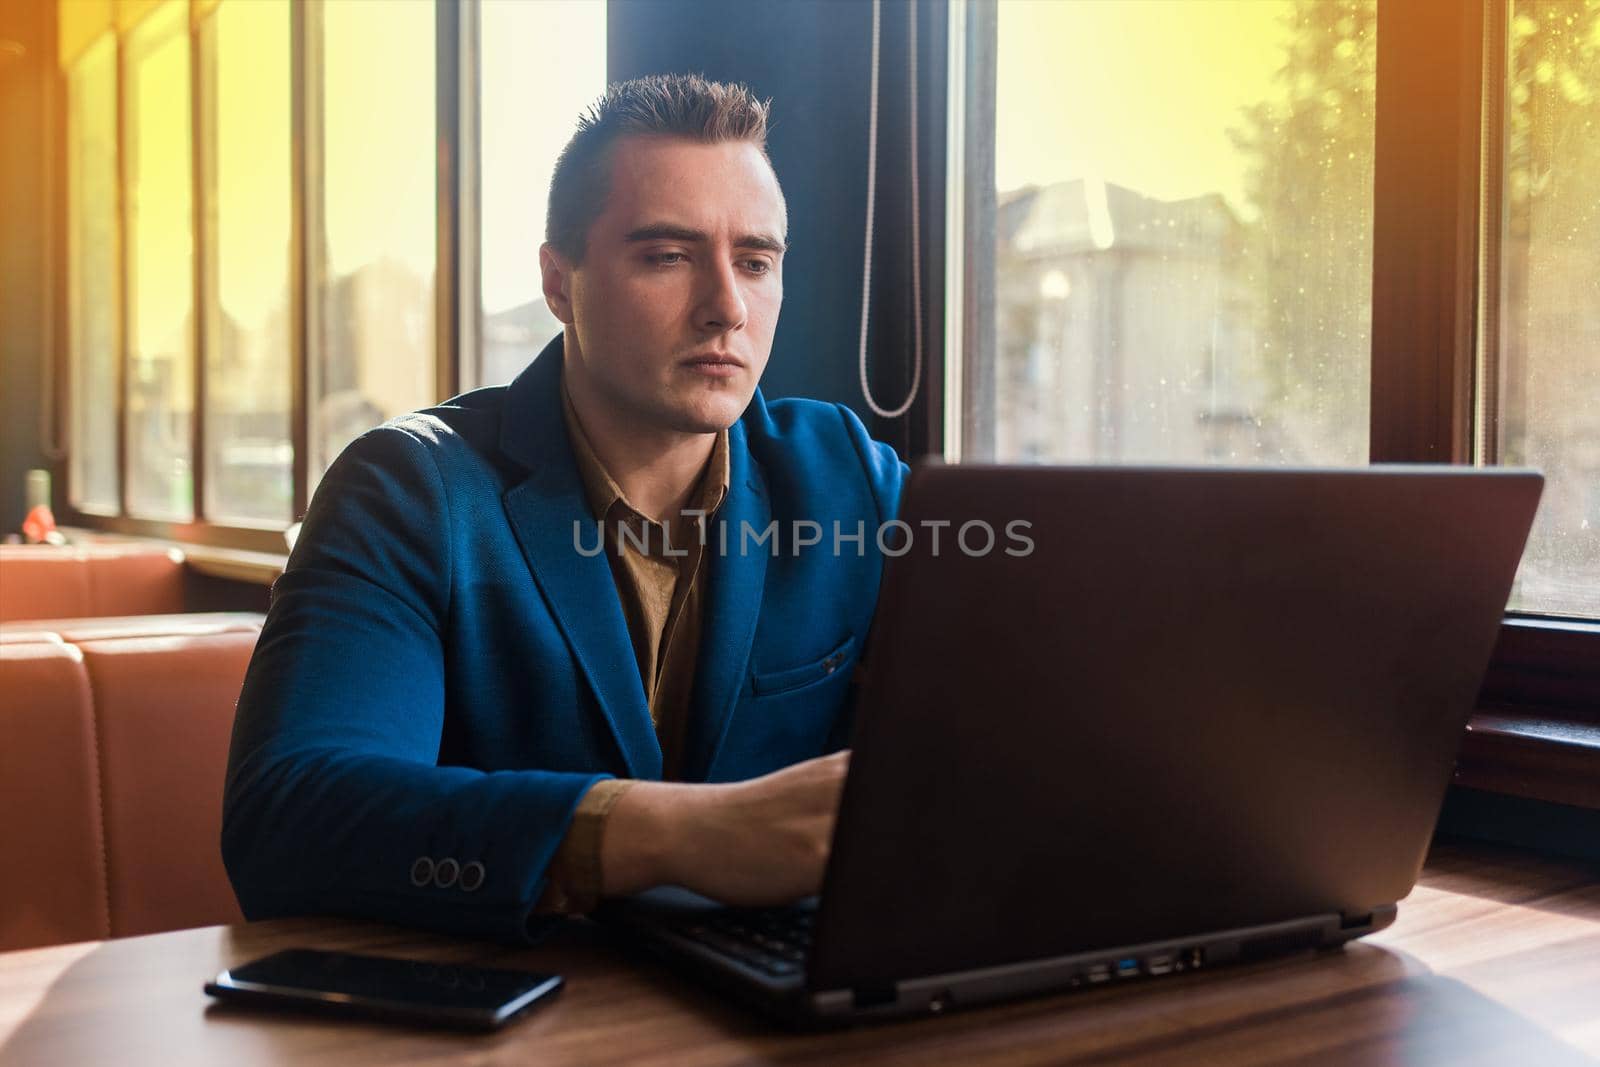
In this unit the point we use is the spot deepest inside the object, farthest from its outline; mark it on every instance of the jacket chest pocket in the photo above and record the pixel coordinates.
(789, 679)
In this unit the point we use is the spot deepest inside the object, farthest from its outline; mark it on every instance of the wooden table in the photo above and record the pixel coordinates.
(1495, 959)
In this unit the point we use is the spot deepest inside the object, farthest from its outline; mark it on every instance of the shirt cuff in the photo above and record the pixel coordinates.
(574, 875)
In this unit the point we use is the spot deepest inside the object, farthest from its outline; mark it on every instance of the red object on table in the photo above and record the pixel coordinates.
(39, 525)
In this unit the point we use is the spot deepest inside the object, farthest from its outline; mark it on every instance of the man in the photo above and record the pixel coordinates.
(466, 711)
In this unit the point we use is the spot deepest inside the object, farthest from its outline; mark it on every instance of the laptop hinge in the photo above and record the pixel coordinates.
(1347, 921)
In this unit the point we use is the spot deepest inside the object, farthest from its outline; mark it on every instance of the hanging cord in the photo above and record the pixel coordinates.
(916, 224)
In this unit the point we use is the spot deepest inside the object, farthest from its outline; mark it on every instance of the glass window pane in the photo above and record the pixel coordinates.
(1549, 381)
(249, 452)
(92, 267)
(519, 147)
(1184, 239)
(160, 394)
(375, 356)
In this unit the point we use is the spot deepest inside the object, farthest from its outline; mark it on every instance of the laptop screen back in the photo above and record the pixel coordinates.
(1197, 700)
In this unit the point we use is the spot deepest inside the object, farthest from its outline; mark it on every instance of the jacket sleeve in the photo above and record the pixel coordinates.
(333, 798)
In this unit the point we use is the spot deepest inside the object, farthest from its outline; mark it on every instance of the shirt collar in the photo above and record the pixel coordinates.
(604, 493)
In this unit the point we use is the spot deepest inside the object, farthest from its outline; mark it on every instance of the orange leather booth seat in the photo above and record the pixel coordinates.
(49, 582)
(113, 744)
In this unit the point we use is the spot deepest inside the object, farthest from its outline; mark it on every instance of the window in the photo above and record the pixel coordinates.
(1185, 237)
(245, 105)
(1198, 290)
(375, 345)
(1545, 361)
(159, 391)
(93, 276)
(519, 143)
(254, 261)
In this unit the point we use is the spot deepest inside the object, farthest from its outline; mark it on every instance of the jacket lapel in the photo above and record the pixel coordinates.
(733, 604)
(548, 511)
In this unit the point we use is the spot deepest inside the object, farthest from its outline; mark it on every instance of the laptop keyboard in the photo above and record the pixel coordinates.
(772, 940)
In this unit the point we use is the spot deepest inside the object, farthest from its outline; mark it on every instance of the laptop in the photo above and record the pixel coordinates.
(1203, 716)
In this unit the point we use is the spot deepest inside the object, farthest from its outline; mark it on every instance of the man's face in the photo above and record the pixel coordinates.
(677, 296)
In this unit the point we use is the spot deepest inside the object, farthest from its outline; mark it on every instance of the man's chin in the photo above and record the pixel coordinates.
(712, 415)
(705, 424)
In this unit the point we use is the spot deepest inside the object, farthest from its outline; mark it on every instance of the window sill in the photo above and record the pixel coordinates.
(1538, 756)
(213, 561)
(233, 564)
(1536, 733)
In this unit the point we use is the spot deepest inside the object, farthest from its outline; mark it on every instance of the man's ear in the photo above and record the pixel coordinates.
(556, 274)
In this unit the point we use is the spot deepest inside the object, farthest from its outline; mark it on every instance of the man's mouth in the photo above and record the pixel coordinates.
(716, 357)
(719, 363)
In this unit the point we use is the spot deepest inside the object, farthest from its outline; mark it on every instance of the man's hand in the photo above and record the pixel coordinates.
(754, 843)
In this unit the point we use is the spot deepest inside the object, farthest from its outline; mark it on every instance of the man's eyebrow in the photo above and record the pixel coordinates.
(666, 231)
(762, 242)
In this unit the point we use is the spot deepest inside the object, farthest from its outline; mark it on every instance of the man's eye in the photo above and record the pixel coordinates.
(667, 259)
(758, 266)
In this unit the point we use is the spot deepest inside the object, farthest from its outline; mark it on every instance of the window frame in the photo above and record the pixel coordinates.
(1436, 269)
(1438, 154)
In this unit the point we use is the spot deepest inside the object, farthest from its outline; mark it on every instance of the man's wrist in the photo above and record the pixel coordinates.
(574, 879)
(649, 837)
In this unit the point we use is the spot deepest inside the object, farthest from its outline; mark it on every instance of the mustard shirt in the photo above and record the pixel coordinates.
(661, 585)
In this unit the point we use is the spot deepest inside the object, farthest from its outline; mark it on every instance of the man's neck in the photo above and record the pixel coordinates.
(657, 470)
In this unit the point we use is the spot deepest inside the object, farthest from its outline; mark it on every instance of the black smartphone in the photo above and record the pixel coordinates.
(413, 991)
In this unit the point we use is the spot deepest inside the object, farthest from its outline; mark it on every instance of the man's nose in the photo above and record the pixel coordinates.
(722, 306)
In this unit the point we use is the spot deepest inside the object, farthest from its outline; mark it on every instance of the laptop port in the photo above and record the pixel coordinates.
(1193, 957)
(1128, 967)
(1098, 973)
(1158, 965)
(871, 996)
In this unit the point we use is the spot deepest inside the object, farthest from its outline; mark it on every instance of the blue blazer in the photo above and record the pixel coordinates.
(443, 674)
